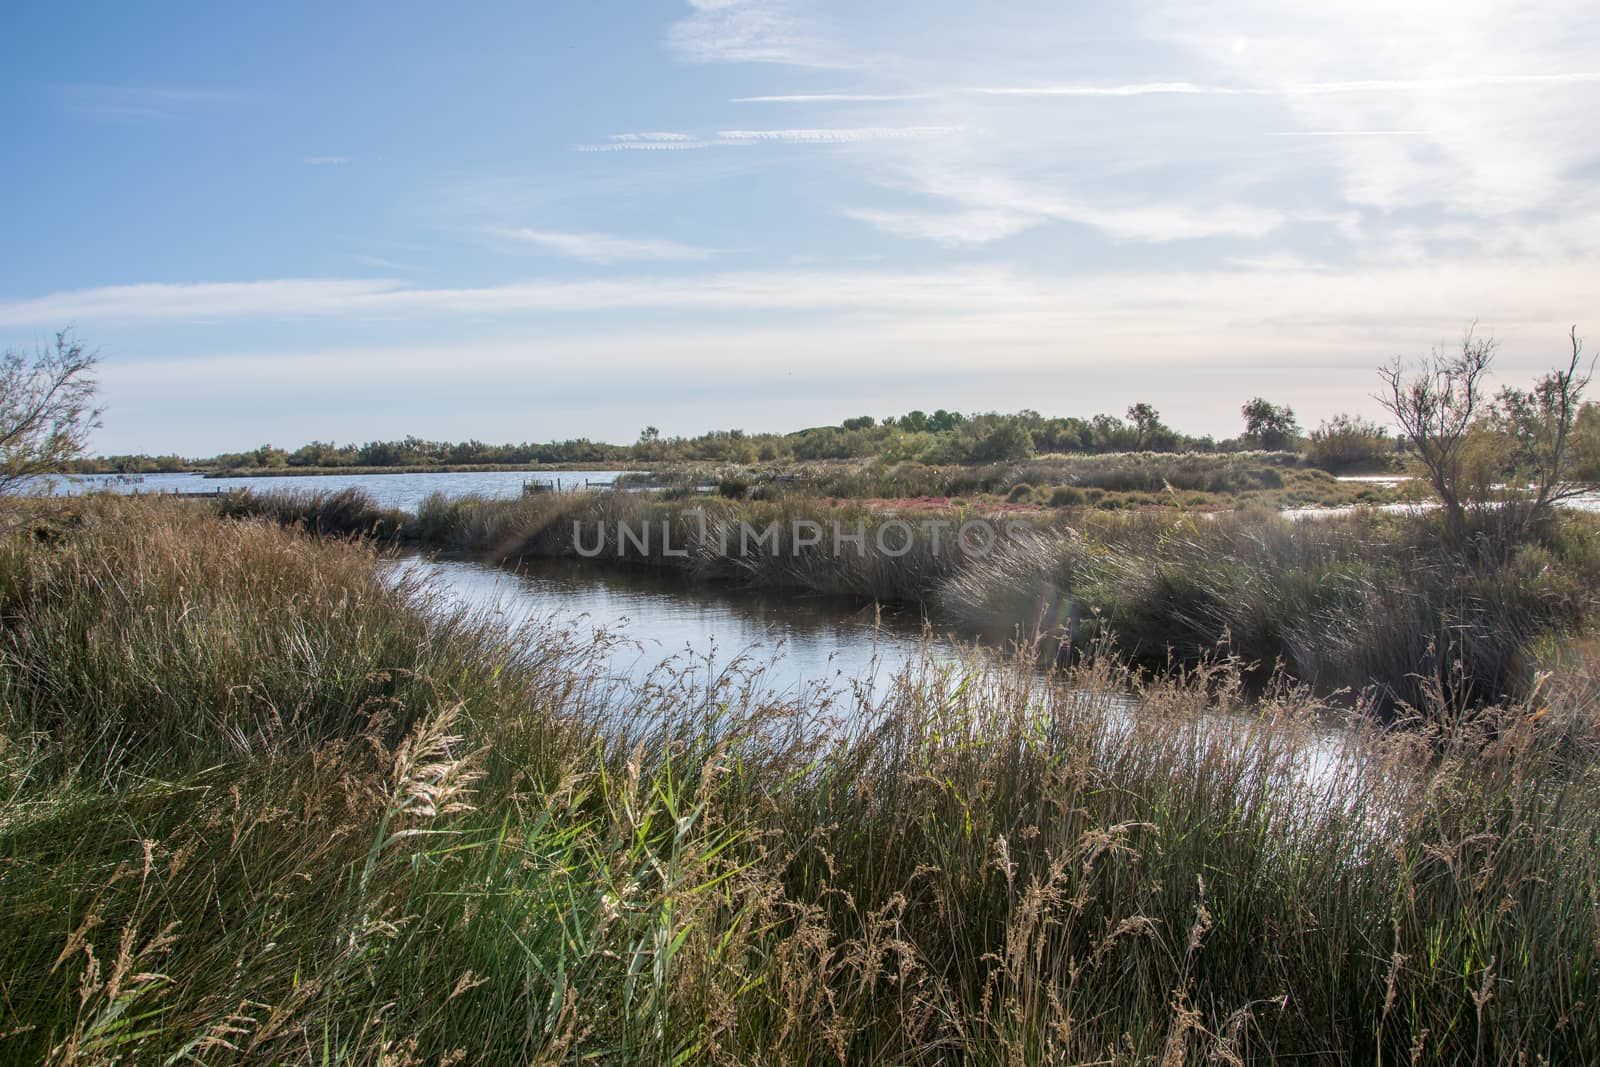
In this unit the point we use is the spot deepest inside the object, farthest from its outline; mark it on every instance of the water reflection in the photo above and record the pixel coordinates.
(800, 640)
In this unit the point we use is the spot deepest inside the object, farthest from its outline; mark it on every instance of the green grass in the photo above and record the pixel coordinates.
(258, 804)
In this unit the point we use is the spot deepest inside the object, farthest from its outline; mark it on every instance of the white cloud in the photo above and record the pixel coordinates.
(952, 228)
(652, 137)
(1498, 93)
(840, 136)
(629, 145)
(678, 142)
(201, 300)
(992, 206)
(1187, 88)
(602, 248)
(325, 161)
(1438, 294)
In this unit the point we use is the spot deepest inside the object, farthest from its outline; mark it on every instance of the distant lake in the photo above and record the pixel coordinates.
(403, 491)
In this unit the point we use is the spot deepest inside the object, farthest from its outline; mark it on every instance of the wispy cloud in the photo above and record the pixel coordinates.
(325, 161)
(839, 136)
(617, 145)
(1187, 88)
(1347, 133)
(956, 228)
(682, 142)
(380, 262)
(1175, 300)
(665, 137)
(754, 31)
(603, 248)
(311, 297)
(991, 207)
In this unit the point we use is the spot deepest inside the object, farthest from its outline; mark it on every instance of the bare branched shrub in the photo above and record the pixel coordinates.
(1435, 404)
(1506, 460)
(46, 410)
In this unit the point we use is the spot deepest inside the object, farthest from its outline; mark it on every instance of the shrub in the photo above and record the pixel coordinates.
(1066, 496)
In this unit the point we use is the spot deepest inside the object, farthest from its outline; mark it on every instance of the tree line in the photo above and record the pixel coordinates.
(939, 437)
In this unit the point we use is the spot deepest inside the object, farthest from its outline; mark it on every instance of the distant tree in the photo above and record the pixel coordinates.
(1150, 433)
(46, 410)
(1146, 420)
(943, 421)
(860, 422)
(1269, 426)
(268, 456)
(649, 435)
(1009, 440)
(914, 421)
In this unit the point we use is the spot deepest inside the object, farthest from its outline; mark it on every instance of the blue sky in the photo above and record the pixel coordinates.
(530, 221)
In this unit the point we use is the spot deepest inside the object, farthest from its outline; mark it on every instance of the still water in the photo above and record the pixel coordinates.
(650, 619)
(798, 645)
(404, 491)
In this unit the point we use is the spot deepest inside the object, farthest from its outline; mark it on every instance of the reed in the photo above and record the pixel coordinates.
(261, 803)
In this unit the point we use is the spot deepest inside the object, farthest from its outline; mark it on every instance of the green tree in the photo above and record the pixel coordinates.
(1009, 440)
(1146, 420)
(1269, 426)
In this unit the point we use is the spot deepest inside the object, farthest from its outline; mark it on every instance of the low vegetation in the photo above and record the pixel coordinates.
(260, 804)
(1110, 482)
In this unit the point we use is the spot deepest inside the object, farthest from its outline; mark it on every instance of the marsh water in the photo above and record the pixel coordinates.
(653, 627)
(647, 619)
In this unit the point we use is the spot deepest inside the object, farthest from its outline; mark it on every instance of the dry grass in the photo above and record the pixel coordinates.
(257, 806)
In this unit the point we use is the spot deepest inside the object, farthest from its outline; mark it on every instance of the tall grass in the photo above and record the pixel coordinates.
(1363, 601)
(258, 804)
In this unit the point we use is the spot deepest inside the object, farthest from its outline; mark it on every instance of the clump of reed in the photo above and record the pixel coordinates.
(341, 513)
(491, 858)
(1366, 602)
